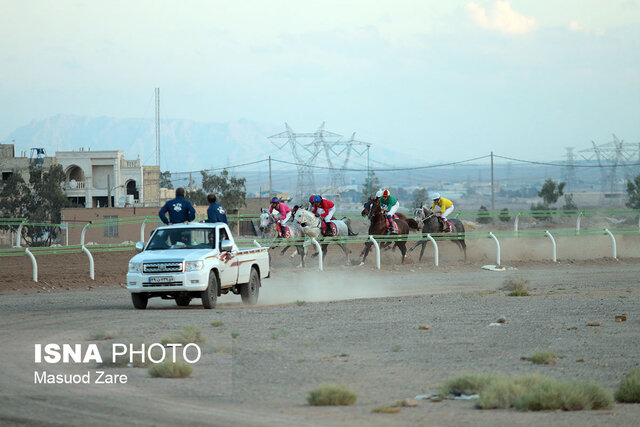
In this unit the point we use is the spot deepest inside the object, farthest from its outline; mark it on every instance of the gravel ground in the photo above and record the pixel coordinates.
(354, 326)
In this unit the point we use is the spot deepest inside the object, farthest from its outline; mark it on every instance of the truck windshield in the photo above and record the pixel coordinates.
(183, 238)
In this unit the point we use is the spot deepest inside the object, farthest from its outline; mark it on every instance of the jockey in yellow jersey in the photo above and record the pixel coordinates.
(442, 207)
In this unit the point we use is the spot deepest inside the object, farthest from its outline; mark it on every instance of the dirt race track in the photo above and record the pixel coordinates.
(352, 325)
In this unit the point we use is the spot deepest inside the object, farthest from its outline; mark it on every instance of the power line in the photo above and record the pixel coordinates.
(564, 164)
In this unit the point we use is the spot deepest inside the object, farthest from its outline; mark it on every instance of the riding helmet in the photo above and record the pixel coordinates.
(435, 196)
(274, 200)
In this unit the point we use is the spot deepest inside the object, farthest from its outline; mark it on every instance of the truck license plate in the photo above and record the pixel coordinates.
(161, 279)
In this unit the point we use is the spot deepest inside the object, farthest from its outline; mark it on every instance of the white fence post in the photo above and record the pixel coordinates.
(497, 247)
(315, 242)
(34, 264)
(255, 242)
(19, 234)
(84, 229)
(142, 230)
(578, 222)
(435, 248)
(613, 241)
(66, 233)
(515, 223)
(553, 243)
(91, 271)
(377, 251)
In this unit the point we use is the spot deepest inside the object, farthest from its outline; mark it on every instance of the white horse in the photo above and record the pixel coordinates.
(269, 230)
(312, 226)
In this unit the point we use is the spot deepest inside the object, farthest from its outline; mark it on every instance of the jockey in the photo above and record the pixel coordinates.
(324, 208)
(281, 213)
(442, 207)
(390, 205)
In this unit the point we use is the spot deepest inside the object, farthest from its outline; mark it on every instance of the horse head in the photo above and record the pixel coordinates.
(266, 219)
(304, 217)
(367, 207)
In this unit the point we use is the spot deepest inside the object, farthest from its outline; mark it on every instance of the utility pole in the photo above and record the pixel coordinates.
(493, 205)
(158, 139)
(270, 181)
(368, 174)
(108, 191)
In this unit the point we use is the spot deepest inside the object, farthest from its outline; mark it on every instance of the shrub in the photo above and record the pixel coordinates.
(466, 384)
(542, 358)
(517, 286)
(217, 323)
(551, 394)
(331, 395)
(170, 369)
(629, 389)
(541, 212)
(504, 215)
(385, 410)
(484, 217)
(189, 334)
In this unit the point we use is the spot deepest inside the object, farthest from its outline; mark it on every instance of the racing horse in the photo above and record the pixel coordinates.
(312, 227)
(378, 227)
(410, 221)
(433, 224)
(269, 228)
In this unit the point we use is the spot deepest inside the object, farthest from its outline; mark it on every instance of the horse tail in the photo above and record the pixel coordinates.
(469, 224)
(412, 223)
(348, 222)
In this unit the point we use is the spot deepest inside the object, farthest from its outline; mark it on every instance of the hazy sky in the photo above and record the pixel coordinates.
(443, 80)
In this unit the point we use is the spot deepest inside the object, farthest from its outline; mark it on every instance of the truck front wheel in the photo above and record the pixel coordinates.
(210, 295)
(140, 300)
(249, 291)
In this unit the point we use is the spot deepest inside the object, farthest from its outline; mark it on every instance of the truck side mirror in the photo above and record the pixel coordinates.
(226, 246)
(139, 246)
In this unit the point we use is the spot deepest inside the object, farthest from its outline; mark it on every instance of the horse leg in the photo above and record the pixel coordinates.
(324, 252)
(418, 243)
(300, 250)
(346, 251)
(282, 252)
(365, 251)
(424, 245)
(463, 245)
(403, 249)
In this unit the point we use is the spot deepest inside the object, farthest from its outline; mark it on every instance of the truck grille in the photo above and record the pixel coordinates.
(155, 285)
(162, 267)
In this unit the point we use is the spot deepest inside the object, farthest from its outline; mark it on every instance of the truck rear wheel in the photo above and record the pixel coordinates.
(249, 291)
(140, 300)
(210, 295)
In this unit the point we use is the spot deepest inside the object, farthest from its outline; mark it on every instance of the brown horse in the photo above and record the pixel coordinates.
(410, 221)
(433, 224)
(378, 227)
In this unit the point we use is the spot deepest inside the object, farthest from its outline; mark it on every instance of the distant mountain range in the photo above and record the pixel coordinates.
(184, 144)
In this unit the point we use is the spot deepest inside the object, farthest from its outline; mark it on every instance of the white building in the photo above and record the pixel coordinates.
(92, 177)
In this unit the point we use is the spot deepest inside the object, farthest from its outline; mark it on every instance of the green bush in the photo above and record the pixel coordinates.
(629, 389)
(517, 286)
(504, 215)
(331, 395)
(189, 334)
(170, 369)
(484, 217)
(543, 358)
(466, 384)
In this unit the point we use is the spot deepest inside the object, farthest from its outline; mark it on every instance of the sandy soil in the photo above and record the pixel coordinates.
(357, 326)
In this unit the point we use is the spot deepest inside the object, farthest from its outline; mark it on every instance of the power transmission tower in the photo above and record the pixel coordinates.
(307, 147)
(610, 157)
(570, 170)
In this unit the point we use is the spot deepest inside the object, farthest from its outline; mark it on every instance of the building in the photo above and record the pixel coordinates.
(106, 178)
(10, 164)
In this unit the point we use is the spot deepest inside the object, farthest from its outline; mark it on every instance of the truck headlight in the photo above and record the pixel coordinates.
(193, 265)
(135, 267)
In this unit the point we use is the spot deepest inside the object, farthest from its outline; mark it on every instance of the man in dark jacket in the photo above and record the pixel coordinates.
(180, 210)
(215, 212)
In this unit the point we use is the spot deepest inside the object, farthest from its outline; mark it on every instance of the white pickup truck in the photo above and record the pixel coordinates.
(195, 260)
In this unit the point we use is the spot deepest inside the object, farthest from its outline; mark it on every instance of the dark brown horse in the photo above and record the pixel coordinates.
(410, 221)
(378, 227)
(433, 224)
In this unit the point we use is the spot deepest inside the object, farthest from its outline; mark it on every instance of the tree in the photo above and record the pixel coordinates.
(165, 180)
(370, 186)
(419, 196)
(550, 192)
(633, 190)
(197, 197)
(504, 215)
(569, 204)
(40, 201)
(484, 217)
(230, 191)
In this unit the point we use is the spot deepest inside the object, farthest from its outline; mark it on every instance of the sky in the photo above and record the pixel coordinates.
(438, 81)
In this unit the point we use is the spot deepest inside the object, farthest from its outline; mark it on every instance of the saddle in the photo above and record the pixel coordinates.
(451, 227)
(393, 224)
(287, 231)
(329, 228)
